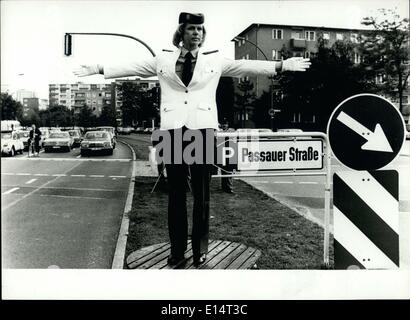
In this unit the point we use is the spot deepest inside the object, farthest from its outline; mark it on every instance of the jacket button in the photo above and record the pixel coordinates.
(186, 102)
(165, 109)
(186, 91)
(209, 108)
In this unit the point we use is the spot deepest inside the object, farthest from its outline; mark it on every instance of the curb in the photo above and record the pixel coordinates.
(119, 254)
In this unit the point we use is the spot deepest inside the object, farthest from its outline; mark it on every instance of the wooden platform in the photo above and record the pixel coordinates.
(221, 255)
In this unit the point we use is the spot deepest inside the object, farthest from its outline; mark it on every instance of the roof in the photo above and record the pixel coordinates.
(253, 25)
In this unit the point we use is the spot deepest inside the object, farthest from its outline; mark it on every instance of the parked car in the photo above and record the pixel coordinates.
(111, 130)
(23, 136)
(139, 129)
(127, 130)
(11, 144)
(76, 135)
(94, 141)
(45, 133)
(58, 141)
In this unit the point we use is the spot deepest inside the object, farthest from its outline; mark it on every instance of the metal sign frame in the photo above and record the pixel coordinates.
(326, 154)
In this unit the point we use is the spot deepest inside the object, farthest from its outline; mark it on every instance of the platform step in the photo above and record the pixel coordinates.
(221, 255)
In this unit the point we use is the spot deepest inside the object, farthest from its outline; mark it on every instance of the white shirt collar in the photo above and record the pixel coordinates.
(193, 52)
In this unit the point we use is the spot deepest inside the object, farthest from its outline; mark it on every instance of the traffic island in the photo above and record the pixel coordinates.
(248, 218)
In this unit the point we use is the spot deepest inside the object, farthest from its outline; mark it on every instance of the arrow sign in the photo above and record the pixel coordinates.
(376, 141)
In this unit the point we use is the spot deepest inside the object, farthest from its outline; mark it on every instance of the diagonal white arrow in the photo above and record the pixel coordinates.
(376, 141)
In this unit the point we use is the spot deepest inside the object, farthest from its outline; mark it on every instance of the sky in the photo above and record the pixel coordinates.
(32, 32)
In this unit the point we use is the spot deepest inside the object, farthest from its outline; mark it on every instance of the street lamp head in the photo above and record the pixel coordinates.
(237, 39)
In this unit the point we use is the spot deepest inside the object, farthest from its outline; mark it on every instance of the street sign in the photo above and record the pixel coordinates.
(366, 132)
(272, 155)
(366, 219)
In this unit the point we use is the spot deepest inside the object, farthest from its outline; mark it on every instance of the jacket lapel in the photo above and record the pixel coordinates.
(172, 67)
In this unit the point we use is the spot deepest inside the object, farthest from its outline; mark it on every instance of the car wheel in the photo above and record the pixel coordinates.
(46, 150)
(111, 152)
(68, 149)
(83, 153)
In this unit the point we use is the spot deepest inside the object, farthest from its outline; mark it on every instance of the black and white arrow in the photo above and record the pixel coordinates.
(376, 141)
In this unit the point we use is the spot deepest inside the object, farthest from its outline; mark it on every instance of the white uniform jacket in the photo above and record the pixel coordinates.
(193, 106)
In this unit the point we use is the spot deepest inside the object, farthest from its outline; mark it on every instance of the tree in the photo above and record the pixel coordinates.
(86, 118)
(131, 102)
(244, 100)
(385, 51)
(332, 77)
(108, 116)
(60, 116)
(10, 108)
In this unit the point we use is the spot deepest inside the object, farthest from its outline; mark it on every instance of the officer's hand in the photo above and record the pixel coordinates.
(296, 64)
(86, 70)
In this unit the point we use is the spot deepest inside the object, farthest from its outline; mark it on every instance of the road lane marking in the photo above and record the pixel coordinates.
(118, 176)
(59, 175)
(11, 190)
(308, 182)
(96, 176)
(8, 174)
(77, 175)
(11, 204)
(72, 197)
(31, 181)
(41, 174)
(283, 182)
(22, 174)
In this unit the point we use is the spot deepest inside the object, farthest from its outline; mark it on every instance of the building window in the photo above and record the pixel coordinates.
(297, 34)
(277, 34)
(310, 35)
(380, 78)
(326, 35)
(308, 54)
(339, 36)
(405, 100)
(354, 37)
(276, 54)
(357, 58)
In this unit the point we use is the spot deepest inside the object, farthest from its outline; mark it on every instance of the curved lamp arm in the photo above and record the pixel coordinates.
(68, 41)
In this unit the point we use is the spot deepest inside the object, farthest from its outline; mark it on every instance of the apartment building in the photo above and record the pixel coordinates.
(75, 96)
(299, 41)
(30, 104)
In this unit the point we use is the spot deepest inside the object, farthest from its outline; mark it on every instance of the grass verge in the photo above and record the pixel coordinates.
(287, 240)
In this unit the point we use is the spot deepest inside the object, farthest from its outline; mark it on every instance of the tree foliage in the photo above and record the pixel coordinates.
(131, 102)
(385, 51)
(244, 100)
(332, 77)
(10, 108)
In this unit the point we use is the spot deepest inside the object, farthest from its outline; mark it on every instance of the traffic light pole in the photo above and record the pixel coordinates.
(68, 40)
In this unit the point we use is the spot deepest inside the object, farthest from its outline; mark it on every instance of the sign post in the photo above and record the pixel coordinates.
(366, 133)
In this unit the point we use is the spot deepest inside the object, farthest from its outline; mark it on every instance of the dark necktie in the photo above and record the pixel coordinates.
(187, 71)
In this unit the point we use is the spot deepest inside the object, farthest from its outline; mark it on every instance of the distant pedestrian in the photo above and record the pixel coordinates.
(34, 140)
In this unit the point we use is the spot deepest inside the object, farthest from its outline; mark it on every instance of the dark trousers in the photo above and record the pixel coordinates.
(177, 175)
(200, 177)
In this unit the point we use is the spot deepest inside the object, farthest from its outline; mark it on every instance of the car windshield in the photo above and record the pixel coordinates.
(23, 134)
(59, 135)
(74, 133)
(6, 135)
(96, 135)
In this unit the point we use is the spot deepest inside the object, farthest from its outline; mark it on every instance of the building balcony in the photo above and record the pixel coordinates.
(298, 44)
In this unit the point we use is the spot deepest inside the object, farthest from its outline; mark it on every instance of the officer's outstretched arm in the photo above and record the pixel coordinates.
(88, 70)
